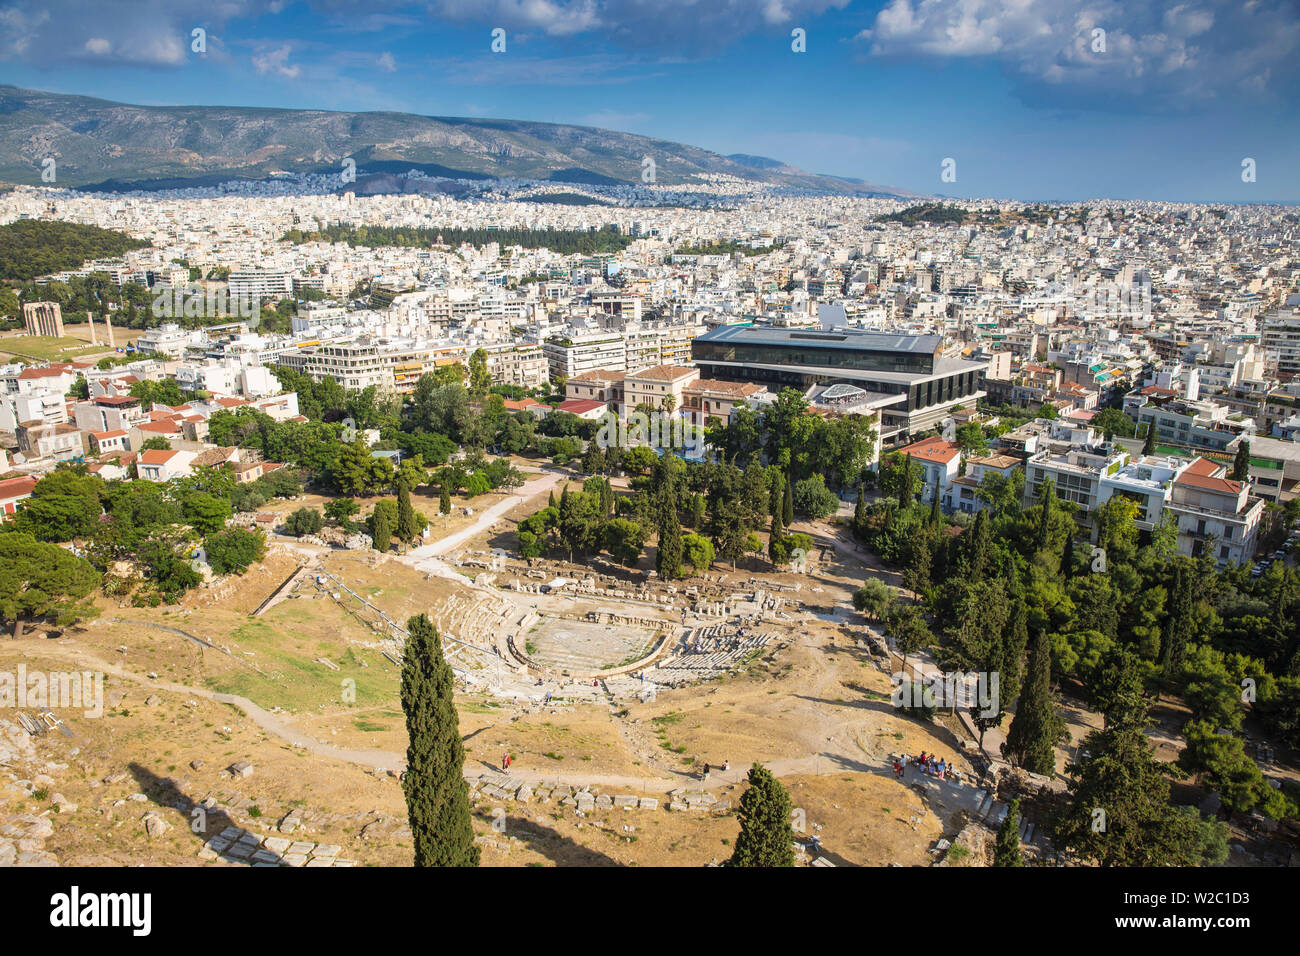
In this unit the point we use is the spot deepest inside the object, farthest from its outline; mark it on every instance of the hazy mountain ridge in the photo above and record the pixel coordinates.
(97, 141)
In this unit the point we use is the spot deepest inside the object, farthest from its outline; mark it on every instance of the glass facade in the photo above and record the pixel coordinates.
(829, 356)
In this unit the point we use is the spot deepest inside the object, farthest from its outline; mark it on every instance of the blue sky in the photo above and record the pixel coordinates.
(1027, 97)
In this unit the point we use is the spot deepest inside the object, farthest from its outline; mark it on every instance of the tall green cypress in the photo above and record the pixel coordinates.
(776, 541)
(860, 510)
(1149, 443)
(1180, 623)
(1047, 497)
(787, 505)
(979, 554)
(668, 555)
(381, 527)
(776, 495)
(936, 516)
(1241, 462)
(437, 797)
(1068, 558)
(444, 500)
(1006, 852)
(1037, 727)
(766, 837)
(407, 523)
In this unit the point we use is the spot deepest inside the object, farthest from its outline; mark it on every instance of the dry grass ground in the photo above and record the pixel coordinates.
(814, 708)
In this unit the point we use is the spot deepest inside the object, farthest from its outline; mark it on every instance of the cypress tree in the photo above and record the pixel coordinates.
(1149, 444)
(550, 499)
(1010, 577)
(1047, 496)
(1241, 463)
(936, 516)
(668, 556)
(1179, 625)
(381, 529)
(407, 523)
(437, 797)
(980, 554)
(776, 541)
(1068, 557)
(766, 838)
(1036, 728)
(697, 511)
(777, 496)
(860, 509)
(787, 505)
(1006, 852)
(444, 500)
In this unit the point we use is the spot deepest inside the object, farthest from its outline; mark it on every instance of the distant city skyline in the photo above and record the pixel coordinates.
(1030, 102)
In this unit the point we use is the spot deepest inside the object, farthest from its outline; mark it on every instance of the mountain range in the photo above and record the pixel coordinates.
(111, 145)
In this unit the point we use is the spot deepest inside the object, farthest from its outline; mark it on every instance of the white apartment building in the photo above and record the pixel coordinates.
(353, 365)
(522, 364)
(262, 284)
(169, 339)
(569, 355)
(964, 497)
(1208, 504)
(1076, 472)
(1147, 482)
(1199, 426)
(1280, 337)
(107, 413)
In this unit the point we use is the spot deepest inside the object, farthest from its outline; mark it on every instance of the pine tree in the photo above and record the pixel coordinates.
(787, 505)
(668, 556)
(766, 837)
(408, 525)
(437, 797)
(1006, 852)
(1241, 463)
(1036, 728)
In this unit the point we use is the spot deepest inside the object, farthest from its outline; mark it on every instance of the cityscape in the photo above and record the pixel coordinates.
(503, 493)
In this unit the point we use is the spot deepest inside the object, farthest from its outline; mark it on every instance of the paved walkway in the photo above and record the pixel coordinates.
(487, 518)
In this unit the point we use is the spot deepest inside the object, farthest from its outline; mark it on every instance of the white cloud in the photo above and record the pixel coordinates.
(1192, 52)
(276, 61)
(387, 63)
(98, 46)
(661, 25)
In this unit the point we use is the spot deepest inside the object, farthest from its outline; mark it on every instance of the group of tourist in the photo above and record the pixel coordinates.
(932, 764)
